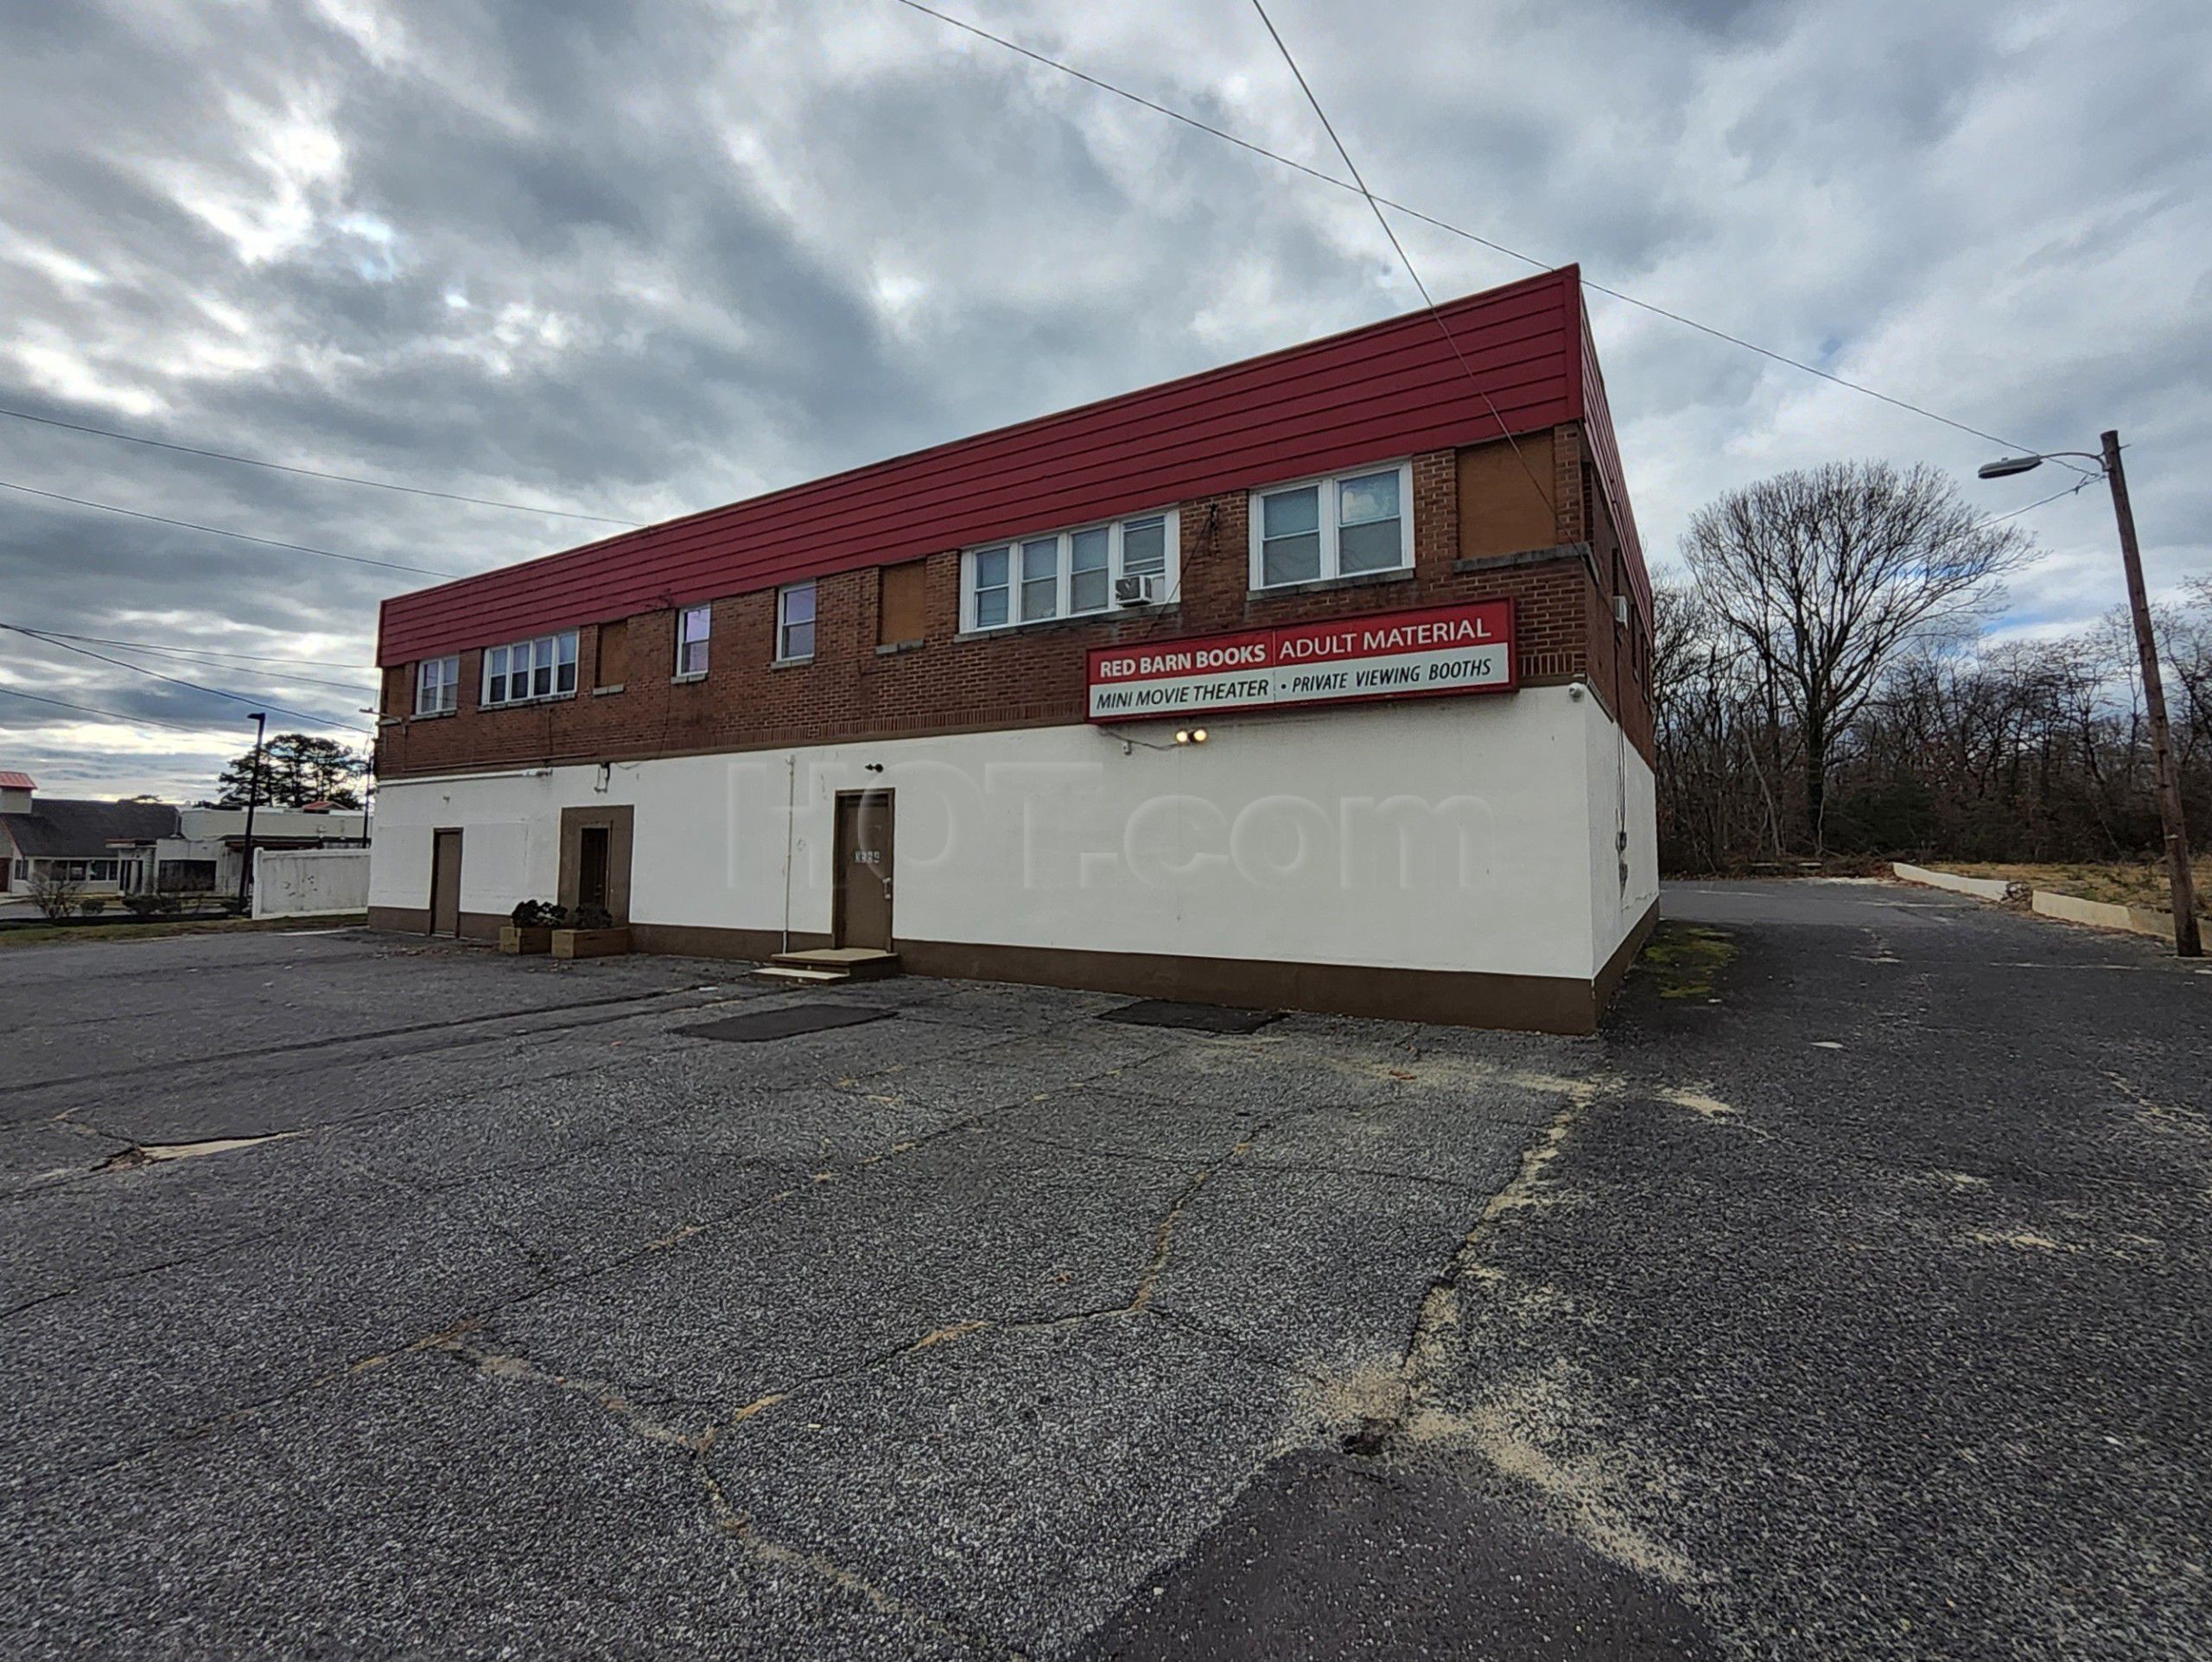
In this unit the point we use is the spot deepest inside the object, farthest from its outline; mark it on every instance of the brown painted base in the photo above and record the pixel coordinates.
(416, 920)
(1542, 1004)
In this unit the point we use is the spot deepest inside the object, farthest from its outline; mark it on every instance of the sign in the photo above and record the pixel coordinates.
(1442, 649)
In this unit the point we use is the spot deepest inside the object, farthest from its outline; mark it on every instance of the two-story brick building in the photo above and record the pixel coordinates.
(1319, 680)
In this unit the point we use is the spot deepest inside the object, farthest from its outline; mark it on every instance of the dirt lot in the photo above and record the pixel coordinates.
(2120, 882)
(365, 1296)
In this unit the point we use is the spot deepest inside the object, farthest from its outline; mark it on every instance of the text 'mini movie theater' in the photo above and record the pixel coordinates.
(1318, 681)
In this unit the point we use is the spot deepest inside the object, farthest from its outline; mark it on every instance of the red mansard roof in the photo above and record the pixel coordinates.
(1389, 389)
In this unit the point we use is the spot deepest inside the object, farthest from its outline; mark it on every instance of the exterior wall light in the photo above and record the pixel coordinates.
(1191, 735)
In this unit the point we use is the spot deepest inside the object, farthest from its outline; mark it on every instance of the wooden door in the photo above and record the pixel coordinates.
(863, 902)
(445, 883)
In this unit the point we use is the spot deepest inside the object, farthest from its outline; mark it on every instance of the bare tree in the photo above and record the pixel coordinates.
(1827, 576)
(57, 896)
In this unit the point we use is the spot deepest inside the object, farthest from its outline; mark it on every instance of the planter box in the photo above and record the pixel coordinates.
(535, 938)
(591, 943)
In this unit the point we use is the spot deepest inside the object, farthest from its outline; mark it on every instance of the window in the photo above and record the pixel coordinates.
(795, 622)
(1342, 527)
(437, 686)
(1068, 574)
(544, 668)
(693, 624)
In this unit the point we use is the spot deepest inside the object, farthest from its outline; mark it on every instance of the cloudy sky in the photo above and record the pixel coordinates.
(632, 260)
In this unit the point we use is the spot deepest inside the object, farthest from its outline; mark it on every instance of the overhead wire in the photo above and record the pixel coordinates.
(1443, 225)
(208, 651)
(217, 530)
(217, 692)
(88, 709)
(1404, 259)
(313, 472)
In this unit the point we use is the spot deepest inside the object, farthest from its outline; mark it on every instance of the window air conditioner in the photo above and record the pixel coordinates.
(1141, 590)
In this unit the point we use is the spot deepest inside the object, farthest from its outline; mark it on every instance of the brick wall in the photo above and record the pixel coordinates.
(1033, 676)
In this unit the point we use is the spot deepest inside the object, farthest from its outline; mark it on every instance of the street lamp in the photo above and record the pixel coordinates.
(252, 797)
(2187, 941)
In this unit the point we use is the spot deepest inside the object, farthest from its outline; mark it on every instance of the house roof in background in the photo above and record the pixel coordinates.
(17, 781)
(58, 828)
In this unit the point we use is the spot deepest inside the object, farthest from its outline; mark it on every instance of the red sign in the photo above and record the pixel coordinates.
(1442, 649)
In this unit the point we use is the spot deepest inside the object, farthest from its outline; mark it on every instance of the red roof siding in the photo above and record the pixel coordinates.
(1387, 390)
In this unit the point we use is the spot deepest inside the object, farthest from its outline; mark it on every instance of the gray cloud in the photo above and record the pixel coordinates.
(639, 260)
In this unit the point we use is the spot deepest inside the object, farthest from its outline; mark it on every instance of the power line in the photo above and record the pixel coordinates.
(217, 692)
(216, 530)
(209, 652)
(1405, 260)
(312, 472)
(2041, 502)
(1326, 178)
(189, 657)
(87, 709)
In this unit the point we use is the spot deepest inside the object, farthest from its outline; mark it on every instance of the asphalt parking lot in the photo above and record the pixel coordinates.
(1846, 1297)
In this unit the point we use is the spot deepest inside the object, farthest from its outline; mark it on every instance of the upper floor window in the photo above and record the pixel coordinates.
(693, 625)
(1071, 574)
(795, 622)
(544, 668)
(437, 686)
(1344, 526)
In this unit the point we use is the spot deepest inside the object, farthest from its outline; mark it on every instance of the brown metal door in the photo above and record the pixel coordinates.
(445, 883)
(863, 893)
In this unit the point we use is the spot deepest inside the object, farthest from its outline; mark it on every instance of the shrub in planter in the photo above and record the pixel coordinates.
(530, 927)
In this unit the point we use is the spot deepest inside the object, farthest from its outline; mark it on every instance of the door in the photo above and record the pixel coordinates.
(595, 858)
(862, 904)
(445, 883)
(591, 866)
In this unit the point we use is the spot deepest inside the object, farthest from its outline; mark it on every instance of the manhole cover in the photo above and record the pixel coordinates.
(1201, 1018)
(787, 1022)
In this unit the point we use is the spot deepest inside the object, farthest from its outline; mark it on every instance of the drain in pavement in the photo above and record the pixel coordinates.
(1199, 1018)
(787, 1022)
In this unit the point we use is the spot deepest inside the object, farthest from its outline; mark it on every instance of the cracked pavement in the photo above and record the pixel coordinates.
(370, 1297)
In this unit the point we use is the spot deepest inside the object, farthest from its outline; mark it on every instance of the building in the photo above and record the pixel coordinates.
(1319, 680)
(118, 848)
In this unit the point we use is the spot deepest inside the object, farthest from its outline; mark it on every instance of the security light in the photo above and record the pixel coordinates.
(2005, 466)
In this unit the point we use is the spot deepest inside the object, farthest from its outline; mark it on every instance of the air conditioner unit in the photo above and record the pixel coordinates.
(1620, 610)
(1141, 590)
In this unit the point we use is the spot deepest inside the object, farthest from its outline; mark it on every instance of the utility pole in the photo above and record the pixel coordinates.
(2187, 942)
(253, 796)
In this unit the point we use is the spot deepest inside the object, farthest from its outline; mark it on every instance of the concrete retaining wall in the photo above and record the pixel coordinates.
(2100, 913)
(1982, 888)
(309, 882)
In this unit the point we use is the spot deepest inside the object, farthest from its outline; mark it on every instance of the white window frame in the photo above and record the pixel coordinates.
(437, 686)
(811, 623)
(690, 666)
(1330, 516)
(1064, 573)
(555, 652)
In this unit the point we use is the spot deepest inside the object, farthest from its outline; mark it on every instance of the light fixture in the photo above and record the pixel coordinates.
(2005, 466)
(1189, 735)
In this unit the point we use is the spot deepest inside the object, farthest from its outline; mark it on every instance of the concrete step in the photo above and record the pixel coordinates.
(847, 963)
(781, 972)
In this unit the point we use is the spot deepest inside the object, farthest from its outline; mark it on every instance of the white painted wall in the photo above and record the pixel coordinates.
(1624, 797)
(1448, 834)
(309, 882)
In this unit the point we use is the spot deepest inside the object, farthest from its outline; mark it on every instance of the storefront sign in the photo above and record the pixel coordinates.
(1441, 649)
